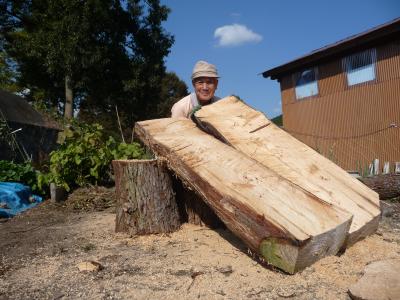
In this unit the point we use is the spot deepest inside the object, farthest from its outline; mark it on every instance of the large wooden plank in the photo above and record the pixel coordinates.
(249, 131)
(288, 226)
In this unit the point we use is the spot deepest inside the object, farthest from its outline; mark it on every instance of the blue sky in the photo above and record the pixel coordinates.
(245, 38)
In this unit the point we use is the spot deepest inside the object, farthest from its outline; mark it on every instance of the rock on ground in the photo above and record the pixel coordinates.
(381, 281)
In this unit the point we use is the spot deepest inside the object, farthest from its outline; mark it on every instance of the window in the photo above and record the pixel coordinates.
(306, 83)
(360, 67)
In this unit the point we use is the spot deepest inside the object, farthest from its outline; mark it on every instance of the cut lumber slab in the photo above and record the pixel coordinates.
(249, 131)
(288, 226)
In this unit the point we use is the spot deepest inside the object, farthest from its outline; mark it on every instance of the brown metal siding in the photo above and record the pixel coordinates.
(331, 78)
(389, 62)
(349, 125)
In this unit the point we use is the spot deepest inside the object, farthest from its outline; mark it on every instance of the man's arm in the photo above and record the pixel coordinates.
(177, 111)
(181, 109)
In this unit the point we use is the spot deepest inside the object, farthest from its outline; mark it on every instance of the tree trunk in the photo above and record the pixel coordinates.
(386, 185)
(69, 99)
(288, 226)
(145, 198)
(251, 133)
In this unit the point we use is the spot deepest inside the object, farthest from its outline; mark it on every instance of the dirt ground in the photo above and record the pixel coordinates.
(40, 251)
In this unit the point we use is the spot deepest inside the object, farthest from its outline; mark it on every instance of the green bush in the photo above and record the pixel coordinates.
(85, 155)
(22, 173)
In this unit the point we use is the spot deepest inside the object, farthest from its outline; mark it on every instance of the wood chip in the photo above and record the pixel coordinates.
(90, 266)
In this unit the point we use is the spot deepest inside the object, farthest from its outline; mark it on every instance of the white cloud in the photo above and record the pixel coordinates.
(235, 35)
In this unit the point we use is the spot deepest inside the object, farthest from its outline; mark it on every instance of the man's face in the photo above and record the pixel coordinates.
(205, 88)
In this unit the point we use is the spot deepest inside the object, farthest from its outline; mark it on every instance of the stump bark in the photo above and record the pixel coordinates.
(145, 198)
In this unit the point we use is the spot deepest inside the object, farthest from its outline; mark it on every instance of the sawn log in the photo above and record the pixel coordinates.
(285, 224)
(386, 185)
(250, 132)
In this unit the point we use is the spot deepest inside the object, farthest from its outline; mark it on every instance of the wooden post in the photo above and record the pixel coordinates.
(386, 168)
(57, 193)
(376, 166)
(397, 168)
(145, 197)
(69, 99)
(371, 170)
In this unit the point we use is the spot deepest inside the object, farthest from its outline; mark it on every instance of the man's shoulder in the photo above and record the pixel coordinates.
(182, 107)
(184, 99)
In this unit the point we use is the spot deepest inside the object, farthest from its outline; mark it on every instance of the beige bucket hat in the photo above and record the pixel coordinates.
(204, 69)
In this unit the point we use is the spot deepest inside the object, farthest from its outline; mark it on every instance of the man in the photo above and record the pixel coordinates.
(205, 83)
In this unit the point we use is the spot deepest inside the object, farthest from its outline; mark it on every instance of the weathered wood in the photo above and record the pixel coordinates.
(250, 132)
(397, 167)
(285, 224)
(386, 185)
(371, 169)
(57, 193)
(145, 198)
(386, 168)
(376, 166)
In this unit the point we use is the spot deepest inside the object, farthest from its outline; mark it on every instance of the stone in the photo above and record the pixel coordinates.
(89, 266)
(227, 270)
(380, 281)
(387, 209)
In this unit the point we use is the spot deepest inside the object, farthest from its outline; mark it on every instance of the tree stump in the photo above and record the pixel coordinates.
(145, 198)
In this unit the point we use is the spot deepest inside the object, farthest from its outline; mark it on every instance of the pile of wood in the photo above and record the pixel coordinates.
(289, 204)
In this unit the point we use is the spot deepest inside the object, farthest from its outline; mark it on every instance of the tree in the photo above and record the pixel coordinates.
(7, 74)
(95, 53)
(172, 89)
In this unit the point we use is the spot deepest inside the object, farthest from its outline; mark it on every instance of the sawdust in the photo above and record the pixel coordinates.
(40, 251)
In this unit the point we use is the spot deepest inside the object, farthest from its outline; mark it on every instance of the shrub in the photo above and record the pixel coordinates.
(85, 156)
(23, 173)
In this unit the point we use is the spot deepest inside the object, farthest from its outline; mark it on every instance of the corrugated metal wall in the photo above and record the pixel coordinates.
(350, 125)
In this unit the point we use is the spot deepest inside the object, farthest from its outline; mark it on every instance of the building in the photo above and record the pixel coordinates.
(23, 129)
(343, 100)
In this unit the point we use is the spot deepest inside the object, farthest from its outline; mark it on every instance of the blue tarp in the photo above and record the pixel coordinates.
(15, 198)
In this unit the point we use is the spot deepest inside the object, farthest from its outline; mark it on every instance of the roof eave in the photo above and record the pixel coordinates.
(363, 40)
